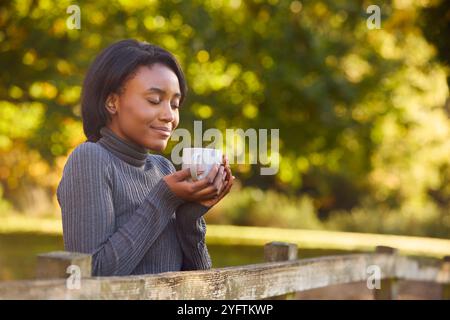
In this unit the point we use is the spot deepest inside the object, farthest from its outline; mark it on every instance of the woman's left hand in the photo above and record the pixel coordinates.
(225, 187)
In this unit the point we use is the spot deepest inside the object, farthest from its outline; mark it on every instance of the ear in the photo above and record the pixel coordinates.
(111, 104)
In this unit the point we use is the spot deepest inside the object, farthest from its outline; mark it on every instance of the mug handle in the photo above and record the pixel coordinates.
(193, 166)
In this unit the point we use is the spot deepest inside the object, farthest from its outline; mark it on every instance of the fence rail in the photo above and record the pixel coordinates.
(281, 275)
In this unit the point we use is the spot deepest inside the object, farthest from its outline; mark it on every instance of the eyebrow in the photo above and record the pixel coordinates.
(161, 91)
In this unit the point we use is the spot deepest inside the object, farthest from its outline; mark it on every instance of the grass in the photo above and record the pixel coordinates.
(331, 240)
(12, 223)
(258, 236)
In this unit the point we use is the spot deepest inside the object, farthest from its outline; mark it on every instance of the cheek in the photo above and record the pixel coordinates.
(138, 111)
(146, 114)
(177, 119)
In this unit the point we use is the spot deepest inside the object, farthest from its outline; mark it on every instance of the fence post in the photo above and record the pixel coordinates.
(281, 251)
(446, 286)
(56, 264)
(389, 287)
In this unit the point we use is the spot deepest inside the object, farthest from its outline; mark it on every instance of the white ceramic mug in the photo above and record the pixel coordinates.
(200, 161)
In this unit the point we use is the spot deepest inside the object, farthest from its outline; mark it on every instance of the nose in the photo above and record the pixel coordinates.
(167, 114)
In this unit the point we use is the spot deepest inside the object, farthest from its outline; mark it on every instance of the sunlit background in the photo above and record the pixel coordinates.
(364, 114)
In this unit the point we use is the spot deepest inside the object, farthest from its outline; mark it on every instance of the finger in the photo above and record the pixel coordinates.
(220, 185)
(218, 181)
(229, 185)
(209, 197)
(216, 187)
(205, 182)
(228, 173)
(200, 184)
(183, 174)
(225, 160)
(207, 193)
(226, 190)
(212, 174)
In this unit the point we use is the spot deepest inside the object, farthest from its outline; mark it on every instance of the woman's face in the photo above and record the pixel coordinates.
(146, 111)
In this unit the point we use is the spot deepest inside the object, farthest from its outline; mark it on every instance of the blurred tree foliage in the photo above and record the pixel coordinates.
(361, 112)
(435, 21)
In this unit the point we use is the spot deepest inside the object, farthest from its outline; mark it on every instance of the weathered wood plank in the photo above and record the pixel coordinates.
(421, 269)
(243, 282)
(281, 251)
(257, 281)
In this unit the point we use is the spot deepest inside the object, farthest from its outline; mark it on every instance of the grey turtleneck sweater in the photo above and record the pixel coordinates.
(116, 206)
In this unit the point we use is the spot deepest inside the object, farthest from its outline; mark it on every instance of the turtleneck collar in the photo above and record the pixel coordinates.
(127, 151)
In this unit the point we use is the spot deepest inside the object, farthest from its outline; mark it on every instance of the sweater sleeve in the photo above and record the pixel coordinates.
(86, 201)
(191, 229)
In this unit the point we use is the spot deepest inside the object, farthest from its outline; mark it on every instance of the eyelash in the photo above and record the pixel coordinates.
(156, 103)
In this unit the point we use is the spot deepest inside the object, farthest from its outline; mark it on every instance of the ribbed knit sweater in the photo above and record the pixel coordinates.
(116, 206)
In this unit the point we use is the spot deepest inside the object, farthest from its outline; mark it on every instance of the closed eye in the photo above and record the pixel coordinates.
(154, 102)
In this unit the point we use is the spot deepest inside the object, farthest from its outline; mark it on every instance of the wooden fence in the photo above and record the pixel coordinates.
(279, 277)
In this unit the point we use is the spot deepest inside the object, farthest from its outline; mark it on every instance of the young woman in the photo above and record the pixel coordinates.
(131, 210)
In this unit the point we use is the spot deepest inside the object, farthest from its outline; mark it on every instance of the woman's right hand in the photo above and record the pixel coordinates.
(203, 189)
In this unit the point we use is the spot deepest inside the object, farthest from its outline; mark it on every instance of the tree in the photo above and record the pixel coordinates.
(360, 111)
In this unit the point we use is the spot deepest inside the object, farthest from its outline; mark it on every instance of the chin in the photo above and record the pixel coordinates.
(157, 145)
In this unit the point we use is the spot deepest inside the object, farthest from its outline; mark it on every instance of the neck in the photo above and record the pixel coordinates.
(127, 151)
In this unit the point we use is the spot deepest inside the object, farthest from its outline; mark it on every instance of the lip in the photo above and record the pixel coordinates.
(162, 130)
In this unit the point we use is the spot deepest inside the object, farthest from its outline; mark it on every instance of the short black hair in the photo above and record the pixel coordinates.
(108, 74)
